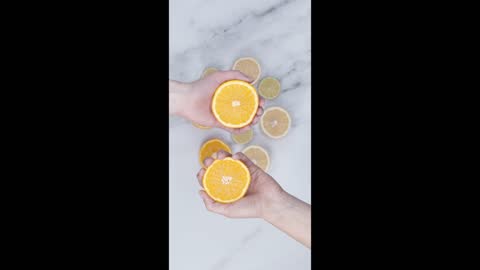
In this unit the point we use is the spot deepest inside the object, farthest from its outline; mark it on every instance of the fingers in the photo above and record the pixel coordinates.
(208, 161)
(218, 155)
(261, 102)
(200, 175)
(212, 205)
(254, 169)
(258, 116)
(222, 154)
(260, 111)
(239, 130)
(255, 120)
(232, 75)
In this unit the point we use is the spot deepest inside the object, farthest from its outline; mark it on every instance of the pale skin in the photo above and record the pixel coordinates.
(193, 100)
(265, 198)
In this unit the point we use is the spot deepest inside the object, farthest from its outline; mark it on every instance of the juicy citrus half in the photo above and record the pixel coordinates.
(244, 137)
(200, 126)
(248, 66)
(208, 71)
(275, 122)
(258, 155)
(235, 103)
(226, 180)
(269, 88)
(210, 147)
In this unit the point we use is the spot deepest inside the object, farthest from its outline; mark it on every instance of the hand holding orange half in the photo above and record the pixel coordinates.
(197, 101)
(235, 187)
(235, 103)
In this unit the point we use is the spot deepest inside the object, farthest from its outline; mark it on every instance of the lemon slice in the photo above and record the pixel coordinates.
(275, 122)
(200, 126)
(208, 71)
(244, 137)
(248, 66)
(259, 156)
(269, 88)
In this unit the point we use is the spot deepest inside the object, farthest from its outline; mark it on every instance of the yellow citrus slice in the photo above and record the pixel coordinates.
(200, 126)
(269, 88)
(244, 137)
(208, 71)
(275, 122)
(226, 180)
(210, 147)
(258, 155)
(235, 103)
(248, 66)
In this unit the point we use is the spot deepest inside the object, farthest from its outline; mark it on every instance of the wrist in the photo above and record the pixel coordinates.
(274, 205)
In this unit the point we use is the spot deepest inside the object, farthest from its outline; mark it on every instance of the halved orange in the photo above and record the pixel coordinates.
(235, 103)
(226, 180)
(210, 147)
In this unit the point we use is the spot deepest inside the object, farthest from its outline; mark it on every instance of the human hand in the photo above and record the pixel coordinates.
(199, 94)
(261, 198)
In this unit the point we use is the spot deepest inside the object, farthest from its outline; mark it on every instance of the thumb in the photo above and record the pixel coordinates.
(250, 165)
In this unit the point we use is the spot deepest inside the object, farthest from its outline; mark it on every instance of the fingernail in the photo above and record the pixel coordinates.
(215, 155)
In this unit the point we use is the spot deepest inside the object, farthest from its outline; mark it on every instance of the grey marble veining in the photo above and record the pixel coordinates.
(215, 33)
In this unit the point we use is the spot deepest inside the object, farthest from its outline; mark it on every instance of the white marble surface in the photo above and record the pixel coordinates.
(215, 33)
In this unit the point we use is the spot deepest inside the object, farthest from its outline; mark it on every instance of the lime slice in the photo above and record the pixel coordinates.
(244, 137)
(269, 88)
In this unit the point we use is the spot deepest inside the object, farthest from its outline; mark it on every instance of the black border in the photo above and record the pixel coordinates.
(380, 74)
(91, 136)
(88, 137)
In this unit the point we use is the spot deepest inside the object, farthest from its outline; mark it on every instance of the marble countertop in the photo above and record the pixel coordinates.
(215, 33)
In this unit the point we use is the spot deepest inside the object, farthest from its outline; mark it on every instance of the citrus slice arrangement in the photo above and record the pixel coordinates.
(248, 66)
(275, 122)
(235, 103)
(269, 88)
(244, 137)
(210, 147)
(259, 156)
